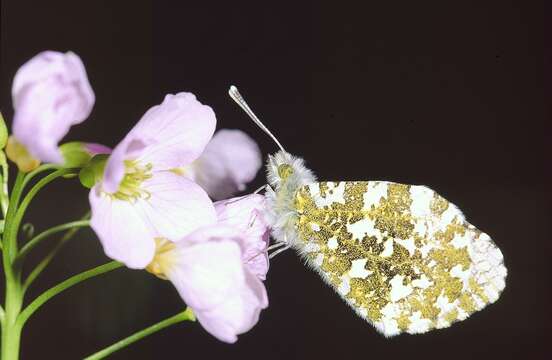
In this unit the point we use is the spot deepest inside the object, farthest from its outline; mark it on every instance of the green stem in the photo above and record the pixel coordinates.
(46, 233)
(10, 241)
(46, 261)
(38, 170)
(11, 331)
(4, 197)
(27, 200)
(183, 316)
(53, 291)
(12, 317)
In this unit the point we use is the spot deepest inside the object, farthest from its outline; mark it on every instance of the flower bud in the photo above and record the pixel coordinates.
(50, 93)
(78, 154)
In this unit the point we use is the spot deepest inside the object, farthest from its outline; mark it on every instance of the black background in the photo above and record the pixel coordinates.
(446, 94)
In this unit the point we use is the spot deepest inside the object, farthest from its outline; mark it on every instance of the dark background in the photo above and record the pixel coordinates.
(447, 94)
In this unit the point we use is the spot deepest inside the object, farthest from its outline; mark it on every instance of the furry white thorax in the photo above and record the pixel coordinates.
(280, 194)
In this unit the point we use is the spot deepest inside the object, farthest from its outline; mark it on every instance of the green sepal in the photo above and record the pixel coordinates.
(3, 132)
(93, 171)
(75, 154)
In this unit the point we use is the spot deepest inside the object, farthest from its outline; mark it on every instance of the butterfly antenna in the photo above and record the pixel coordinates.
(236, 96)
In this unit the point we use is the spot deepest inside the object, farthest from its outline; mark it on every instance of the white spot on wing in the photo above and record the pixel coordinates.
(336, 195)
(314, 190)
(344, 287)
(457, 271)
(460, 241)
(358, 270)
(418, 324)
(420, 227)
(389, 326)
(362, 228)
(425, 249)
(421, 200)
(388, 248)
(398, 290)
(374, 194)
(423, 282)
(450, 213)
(332, 243)
(408, 244)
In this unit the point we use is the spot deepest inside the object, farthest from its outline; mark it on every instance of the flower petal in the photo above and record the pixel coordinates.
(176, 206)
(50, 93)
(247, 214)
(229, 162)
(237, 314)
(96, 149)
(208, 273)
(121, 229)
(167, 136)
(176, 131)
(208, 266)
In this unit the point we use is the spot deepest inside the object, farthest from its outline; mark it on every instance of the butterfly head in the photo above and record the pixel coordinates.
(285, 171)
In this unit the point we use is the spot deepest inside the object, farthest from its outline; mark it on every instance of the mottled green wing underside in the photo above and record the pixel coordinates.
(401, 255)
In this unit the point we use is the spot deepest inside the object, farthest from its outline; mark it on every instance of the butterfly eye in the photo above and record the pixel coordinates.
(284, 171)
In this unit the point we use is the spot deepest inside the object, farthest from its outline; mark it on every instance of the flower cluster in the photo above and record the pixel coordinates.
(152, 195)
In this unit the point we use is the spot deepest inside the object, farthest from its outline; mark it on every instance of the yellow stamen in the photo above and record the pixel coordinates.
(164, 258)
(179, 171)
(135, 175)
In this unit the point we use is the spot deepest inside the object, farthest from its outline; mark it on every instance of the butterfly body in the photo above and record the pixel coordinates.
(403, 257)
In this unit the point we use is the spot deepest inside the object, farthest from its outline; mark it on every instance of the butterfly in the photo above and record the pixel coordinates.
(402, 256)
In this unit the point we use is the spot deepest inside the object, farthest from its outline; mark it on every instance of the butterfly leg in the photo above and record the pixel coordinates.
(252, 221)
(239, 198)
(275, 246)
(282, 245)
(260, 189)
(282, 249)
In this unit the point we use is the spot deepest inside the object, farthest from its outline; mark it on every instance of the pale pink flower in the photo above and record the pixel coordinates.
(230, 161)
(141, 198)
(50, 93)
(212, 271)
(247, 214)
(207, 269)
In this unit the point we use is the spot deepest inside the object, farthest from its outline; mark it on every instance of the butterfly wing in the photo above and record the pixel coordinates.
(403, 257)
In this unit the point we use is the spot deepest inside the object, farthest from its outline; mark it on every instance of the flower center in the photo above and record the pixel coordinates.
(135, 175)
(164, 258)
